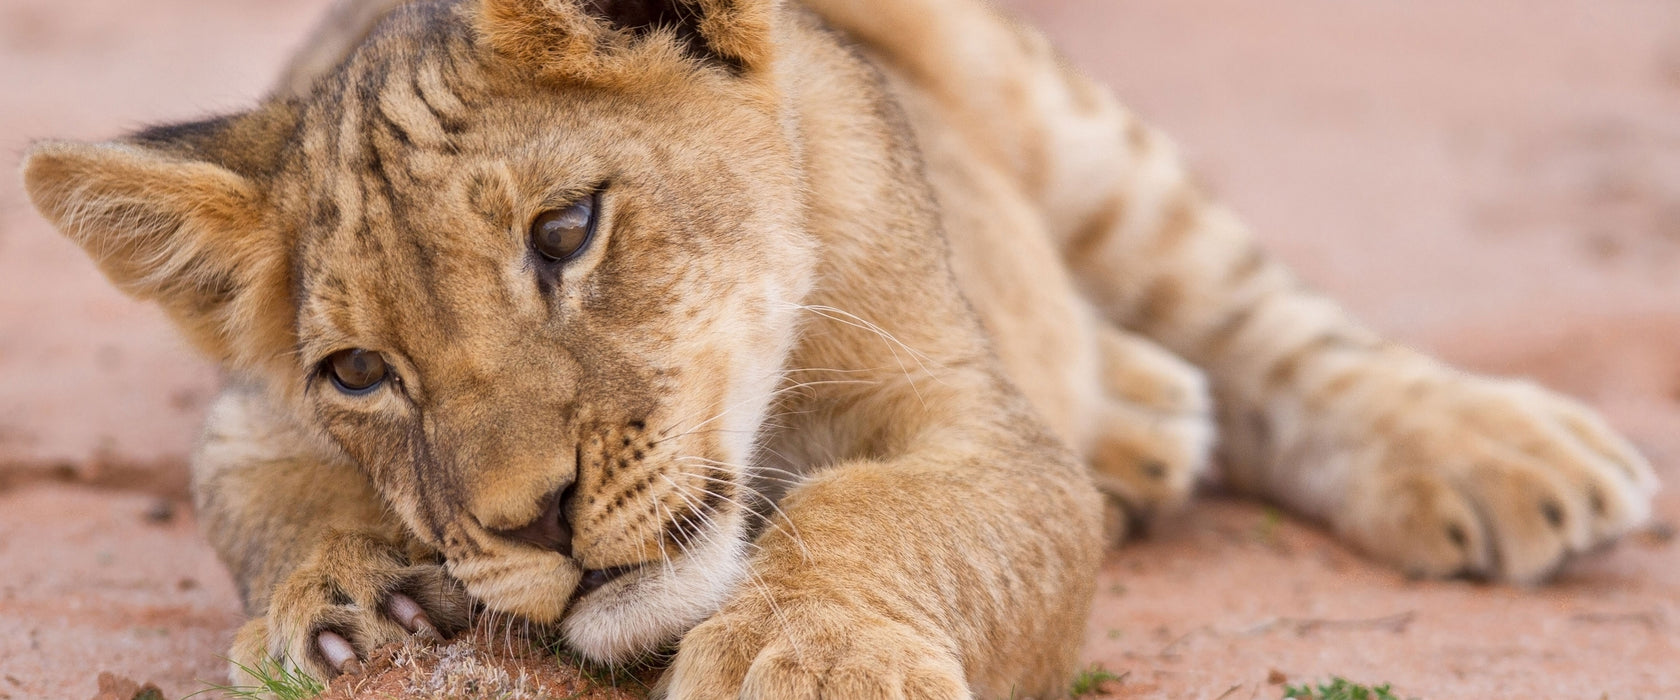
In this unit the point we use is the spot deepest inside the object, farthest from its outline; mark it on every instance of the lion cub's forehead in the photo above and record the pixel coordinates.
(399, 190)
(419, 163)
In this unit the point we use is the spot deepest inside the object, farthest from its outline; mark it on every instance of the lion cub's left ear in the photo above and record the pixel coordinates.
(167, 222)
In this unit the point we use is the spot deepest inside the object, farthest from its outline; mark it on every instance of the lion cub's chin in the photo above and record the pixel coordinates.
(632, 614)
(644, 610)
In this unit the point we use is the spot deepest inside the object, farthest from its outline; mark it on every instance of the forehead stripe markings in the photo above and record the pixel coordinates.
(433, 89)
(389, 191)
(408, 114)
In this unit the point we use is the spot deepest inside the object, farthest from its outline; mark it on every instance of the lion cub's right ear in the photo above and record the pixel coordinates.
(569, 39)
(166, 226)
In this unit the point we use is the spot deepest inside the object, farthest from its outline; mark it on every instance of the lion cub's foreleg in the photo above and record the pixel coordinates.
(319, 563)
(960, 567)
(943, 543)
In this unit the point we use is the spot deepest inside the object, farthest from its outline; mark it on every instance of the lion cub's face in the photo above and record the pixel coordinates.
(545, 315)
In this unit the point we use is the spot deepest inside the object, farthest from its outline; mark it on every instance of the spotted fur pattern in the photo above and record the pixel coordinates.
(879, 292)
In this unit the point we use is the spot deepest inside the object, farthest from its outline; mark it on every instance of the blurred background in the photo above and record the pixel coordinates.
(1497, 182)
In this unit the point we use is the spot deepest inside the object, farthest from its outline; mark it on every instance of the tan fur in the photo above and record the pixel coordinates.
(870, 279)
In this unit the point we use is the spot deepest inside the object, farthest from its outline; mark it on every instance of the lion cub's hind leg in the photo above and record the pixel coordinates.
(1153, 430)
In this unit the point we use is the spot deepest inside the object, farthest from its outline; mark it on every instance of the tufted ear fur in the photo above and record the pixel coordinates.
(168, 218)
(572, 38)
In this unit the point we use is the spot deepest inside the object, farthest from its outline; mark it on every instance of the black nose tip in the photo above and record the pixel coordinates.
(550, 530)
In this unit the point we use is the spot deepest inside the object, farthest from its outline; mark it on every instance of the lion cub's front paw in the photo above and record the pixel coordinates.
(353, 595)
(808, 650)
(1490, 478)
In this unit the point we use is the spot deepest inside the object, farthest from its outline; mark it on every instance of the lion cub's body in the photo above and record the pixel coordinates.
(874, 278)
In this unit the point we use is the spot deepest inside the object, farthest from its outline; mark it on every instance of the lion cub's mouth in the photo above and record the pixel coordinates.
(594, 579)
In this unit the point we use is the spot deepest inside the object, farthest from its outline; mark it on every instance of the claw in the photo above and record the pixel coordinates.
(410, 616)
(339, 653)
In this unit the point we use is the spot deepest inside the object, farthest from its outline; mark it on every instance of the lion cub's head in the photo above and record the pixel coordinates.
(532, 264)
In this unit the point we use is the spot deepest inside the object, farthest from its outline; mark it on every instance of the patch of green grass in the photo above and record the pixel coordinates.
(273, 680)
(1339, 689)
(1090, 681)
(1266, 531)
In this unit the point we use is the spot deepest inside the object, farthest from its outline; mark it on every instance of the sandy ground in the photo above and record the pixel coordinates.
(1498, 182)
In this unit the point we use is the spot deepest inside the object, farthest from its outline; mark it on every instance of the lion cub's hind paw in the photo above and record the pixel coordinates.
(1154, 433)
(1501, 480)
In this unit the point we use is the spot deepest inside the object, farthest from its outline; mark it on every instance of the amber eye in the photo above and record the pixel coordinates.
(356, 371)
(562, 234)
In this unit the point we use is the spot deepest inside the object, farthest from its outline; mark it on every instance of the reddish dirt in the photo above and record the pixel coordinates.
(1497, 182)
(483, 665)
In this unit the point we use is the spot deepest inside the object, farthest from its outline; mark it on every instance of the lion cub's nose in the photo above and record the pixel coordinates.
(550, 530)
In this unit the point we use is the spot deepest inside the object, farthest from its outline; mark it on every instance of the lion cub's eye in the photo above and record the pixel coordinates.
(356, 371)
(561, 234)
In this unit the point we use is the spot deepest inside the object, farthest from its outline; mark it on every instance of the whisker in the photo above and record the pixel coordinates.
(665, 436)
(856, 321)
(757, 581)
(792, 530)
(791, 480)
(893, 343)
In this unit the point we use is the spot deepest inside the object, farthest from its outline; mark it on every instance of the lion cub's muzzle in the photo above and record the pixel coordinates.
(552, 531)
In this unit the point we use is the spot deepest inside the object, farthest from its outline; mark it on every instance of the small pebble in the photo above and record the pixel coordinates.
(161, 511)
(1658, 534)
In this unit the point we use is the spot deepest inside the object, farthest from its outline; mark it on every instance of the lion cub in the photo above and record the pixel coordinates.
(803, 332)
